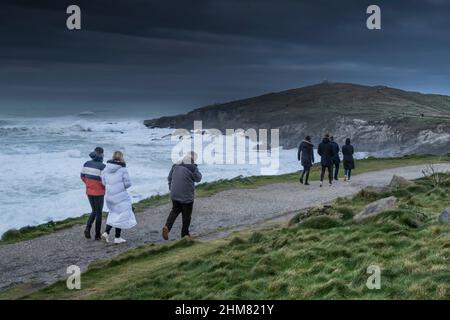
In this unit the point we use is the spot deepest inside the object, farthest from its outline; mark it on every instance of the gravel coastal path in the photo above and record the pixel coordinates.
(45, 259)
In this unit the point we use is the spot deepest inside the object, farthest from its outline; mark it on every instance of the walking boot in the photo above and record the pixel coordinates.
(165, 233)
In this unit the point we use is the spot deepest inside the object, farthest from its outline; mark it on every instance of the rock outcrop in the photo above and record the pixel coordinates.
(399, 182)
(375, 208)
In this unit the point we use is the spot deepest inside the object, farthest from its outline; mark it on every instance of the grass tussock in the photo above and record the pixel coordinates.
(321, 222)
(315, 257)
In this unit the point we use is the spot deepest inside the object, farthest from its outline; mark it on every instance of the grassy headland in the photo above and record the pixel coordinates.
(324, 256)
(368, 114)
(209, 188)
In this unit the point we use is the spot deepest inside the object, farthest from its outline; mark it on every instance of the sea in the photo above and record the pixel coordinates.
(41, 158)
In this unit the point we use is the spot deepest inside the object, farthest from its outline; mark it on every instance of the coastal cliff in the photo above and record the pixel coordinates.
(378, 119)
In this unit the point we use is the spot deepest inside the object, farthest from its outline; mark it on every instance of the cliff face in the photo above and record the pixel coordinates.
(378, 119)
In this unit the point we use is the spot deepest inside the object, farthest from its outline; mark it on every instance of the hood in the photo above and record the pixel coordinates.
(113, 166)
(187, 159)
(326, 140)
(94, 156)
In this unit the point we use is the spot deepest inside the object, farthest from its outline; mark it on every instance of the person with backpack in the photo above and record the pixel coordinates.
(95, 191)
(182, 179)
(305, 154)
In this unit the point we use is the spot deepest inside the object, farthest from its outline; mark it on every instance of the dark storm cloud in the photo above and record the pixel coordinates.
(189, 53)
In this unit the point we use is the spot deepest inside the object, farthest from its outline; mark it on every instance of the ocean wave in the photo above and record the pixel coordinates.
(73, 153)
(13, 131)
(80, 128)
(52, 151)
(4, 123)
(86, 114)
(51, 126)
(97, 127)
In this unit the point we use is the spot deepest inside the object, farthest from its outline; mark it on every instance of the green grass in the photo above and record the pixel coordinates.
(210, 188)
(323, 256)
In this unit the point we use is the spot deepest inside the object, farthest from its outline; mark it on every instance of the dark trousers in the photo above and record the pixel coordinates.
(330, 170)
(96, 215)
(348, 173)
(336, 169)
(118, 231)
(305, 173)
(186, 211)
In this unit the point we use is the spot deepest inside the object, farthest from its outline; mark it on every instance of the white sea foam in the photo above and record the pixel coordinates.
(41, 161)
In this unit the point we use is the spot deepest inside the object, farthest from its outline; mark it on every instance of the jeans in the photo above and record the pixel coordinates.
(186, 211)
(305, 172)
(330, 170)
(96, 215)
(118, 231)
(348, 173)
(336, 169)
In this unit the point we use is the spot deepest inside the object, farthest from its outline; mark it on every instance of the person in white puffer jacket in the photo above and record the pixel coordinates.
(116, 180)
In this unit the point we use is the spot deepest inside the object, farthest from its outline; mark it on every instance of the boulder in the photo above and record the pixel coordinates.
(444, 217)
(399, 182)
(375, 208)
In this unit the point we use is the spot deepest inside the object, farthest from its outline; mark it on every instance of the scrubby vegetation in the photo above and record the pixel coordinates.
(321, 254)
(210, 188)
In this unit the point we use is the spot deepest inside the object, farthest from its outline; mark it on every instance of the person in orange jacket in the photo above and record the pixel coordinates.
(95, 190)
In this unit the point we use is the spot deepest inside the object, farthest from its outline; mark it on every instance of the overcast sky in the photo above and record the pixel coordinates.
(166, 56)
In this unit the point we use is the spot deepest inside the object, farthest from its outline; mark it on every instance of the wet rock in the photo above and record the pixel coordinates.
(377, 207)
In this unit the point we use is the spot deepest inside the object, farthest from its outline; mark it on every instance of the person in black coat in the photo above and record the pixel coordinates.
(326, 153)
(306, 156)
(349, 161)
(335, 159)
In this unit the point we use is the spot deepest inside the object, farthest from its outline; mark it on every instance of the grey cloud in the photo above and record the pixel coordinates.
(189, 53)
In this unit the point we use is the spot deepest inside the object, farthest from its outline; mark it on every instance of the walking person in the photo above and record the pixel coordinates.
(95, 190)
(349, 161)
(326, 153)
(306, 156)
(116, 179)
(336, 160)
(182, 179)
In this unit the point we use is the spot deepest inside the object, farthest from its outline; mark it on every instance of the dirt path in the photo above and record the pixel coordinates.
(45, 259)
